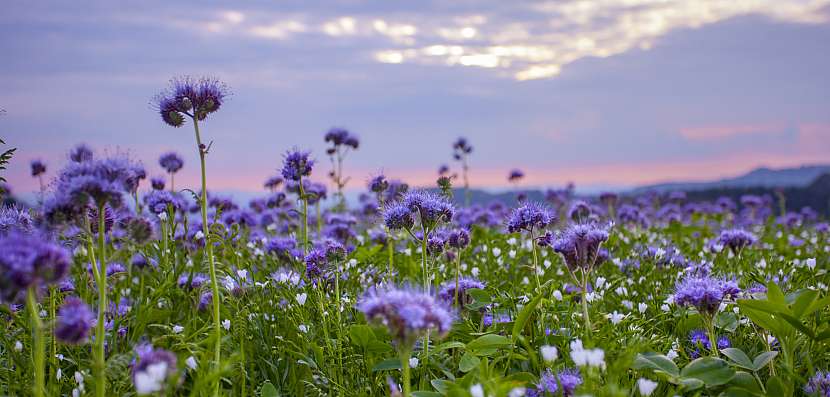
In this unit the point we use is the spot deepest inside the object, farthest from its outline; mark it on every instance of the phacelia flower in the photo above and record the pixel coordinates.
(155, 367)
(515, 175)
(550, 384)
(397, 216)
(736, 239)
(29, 261)
(38, 168)
(447, 291)
(378, 184)
(579, 244)
(406, 312)
(273, 182)
(819, 384)
(157, 183)
(296, 165)
(171, 162)
(430, 207)
(530, 216)
(74, 321)
(187, 96)
(342, 137)
(80, 153)
(703, 292)
(97, 182)
(458, 239)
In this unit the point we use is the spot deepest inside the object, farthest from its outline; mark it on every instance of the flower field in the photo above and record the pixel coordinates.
(114, 283)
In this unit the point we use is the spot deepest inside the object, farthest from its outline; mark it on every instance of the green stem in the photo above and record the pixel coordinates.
(38, 345)
(585, 315)
(214, 285)
(710, 329)
(100, 363)
(457, 276)
(535, 261)
(407, 387)
(319, 218)
(304, 215)
(53, 358)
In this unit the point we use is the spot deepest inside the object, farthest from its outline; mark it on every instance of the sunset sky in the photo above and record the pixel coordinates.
(605, 93)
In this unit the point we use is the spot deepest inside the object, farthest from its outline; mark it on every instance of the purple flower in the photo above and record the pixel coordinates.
(96, 182)
(196, 282)
(205, 300)
(530, 216)
(430, 207)
(458, 239)
(608, 198)
(515, 175)
(154, 368)
(341, 137)
(736, 239)
(461, 146)
(819, 384)
(74, 321)
(283, 247)
(397, 216)
(171, 162)
(378, 184)
(273, 182)
(579, 244)
(191, 97)
(435, 245)
(549, 384)
(38, 168)
(29, 261)
(580, 210)
(296, 165)
(80, 153)
(703, 292)
(158, 201)
(447, 291)
(157, 183)
(15, 219)
(407, 313)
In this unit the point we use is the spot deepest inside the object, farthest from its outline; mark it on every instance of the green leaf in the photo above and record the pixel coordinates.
(739, 392)
(268, 390)
(426, 394)
(468, 362)
(524, 315)
(727, 321)
(361, 335)
(710, 370)
(774, 294)
(803, 302)
(450, 345)
(487, 344)
(691, 383)
(656, 362)
(745, 381)
(385, 365)
(763, 359)
(777, 387)
(442, 385)
(798, 325)
(738, 357)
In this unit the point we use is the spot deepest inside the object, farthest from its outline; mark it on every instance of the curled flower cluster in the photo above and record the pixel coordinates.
(579, 244)
(819, 384)
(28, 261)
(38, 168)
(458, 239)
(563, 383)
(80, 153)
(397, 216)
(704, 293)
(296, 165)
(736, 239)
(171, 162)
(408, 314)
(378, 184)
(447, 291)
(187, 96)
(530, 216)
(74, 322)
(341, 137)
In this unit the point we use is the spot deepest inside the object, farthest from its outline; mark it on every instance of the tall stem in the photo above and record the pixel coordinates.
(53, 359)
(457, 276)
(304, 215)
(319, 218)
(710, 330)
(535, 261)
(100, 363)
(37, 339)
(585, 315)
(464, 168)
(405, 355)
(214, 285)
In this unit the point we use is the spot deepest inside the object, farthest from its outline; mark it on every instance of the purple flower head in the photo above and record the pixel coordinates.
(157, 183)
(580, 211)
(550, 384)
(579, 244)
(608, 198)
(196, 282)
(529, 216)
(38, 168)
(283, 247)
(443, 169)
(139, 229)
(296, 165)
(80, 153)
(458, 239)
(273, 182)
(406, 312)
(736, 239)
(378, 184)
(27, 261)
(98, 182)
(396, 190)
(462, 146)
(341, 137)
(153, 370)
(16, 219)
(703, 292)
(205, 300)
(74, 321)
(819, 384)
(158, 201)
(191, 97)
(447, 291)
(171, 162)
(435, 245)
(515, 175)
(431, 208)
(315, 192)
(397, 216)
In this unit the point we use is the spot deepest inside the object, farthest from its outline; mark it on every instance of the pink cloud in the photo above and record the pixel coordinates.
(716, 132)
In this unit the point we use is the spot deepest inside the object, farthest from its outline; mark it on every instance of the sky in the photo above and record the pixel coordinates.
(604, 93)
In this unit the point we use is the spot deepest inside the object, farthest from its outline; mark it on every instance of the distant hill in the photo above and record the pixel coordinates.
(760, 177)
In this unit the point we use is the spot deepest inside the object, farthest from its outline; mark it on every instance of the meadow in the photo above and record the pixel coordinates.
(116, 283)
